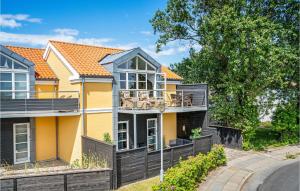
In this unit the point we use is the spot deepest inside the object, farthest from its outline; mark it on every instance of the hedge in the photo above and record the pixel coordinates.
(188, 173)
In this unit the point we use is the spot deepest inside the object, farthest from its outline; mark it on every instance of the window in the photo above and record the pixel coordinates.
(13, 79)
(21, 142)
(137, 63)
(131, 81)
(142, 81)
(123, 80)
(152, 134)
(123, 137)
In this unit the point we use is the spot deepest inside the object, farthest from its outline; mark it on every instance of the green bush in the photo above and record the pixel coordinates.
(106, 138)
(186, 175)
(196, 133)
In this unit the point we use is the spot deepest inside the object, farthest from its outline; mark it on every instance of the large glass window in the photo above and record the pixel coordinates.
(13, 79)
(142, 78)
(137, 63)
(123, 137)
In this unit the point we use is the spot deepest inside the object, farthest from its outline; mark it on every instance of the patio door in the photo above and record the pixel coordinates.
(152, 134)
(123, 135)
(21, 137)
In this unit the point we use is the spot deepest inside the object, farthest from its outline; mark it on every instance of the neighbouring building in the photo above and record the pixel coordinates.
(52, 97)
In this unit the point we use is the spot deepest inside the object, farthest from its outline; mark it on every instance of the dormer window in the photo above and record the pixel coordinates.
(14, 79)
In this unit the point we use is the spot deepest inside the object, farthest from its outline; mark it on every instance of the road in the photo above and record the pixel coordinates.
(285, 178)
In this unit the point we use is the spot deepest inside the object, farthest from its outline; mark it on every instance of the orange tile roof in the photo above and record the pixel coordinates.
(85, 58)
(170, 75)
(35, 55)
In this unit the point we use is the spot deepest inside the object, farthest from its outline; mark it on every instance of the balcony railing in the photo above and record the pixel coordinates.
(56, 101)
(153, 99)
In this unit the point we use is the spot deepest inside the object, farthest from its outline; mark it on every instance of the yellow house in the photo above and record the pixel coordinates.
(52, 97)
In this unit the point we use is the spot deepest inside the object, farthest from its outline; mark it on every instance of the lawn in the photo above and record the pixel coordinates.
(145, 185)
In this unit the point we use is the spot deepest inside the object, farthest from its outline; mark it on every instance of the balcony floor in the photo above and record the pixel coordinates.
(168, 110)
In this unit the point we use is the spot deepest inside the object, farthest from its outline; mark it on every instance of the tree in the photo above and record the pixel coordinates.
(248, 51)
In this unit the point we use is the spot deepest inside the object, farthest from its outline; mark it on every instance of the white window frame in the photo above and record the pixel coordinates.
(28, 142)
(13, 71)
(155, 128)
(127, 135)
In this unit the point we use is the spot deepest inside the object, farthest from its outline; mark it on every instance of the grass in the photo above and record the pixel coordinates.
(291, 156)
(145, 185)
(265, 138)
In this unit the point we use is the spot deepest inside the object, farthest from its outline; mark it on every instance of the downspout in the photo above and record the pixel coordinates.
(82, 101)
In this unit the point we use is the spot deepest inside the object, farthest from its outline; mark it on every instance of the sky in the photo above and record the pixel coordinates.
(112, 23)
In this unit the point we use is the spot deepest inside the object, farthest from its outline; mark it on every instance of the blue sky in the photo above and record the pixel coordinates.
(114, 23)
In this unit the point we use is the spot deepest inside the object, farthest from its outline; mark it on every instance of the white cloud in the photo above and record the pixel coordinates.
(14, 21)
(146, 33)
(62, 34)
(66, 31)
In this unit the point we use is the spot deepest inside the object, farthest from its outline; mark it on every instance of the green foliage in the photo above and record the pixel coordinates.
(196, 133)
(286, 121)
(249, 50)
(107, 138)
(186, 175)
(266, 137)
(89, 162)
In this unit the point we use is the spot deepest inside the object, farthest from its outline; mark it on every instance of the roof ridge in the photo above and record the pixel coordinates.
(80, 44)
(14, 46)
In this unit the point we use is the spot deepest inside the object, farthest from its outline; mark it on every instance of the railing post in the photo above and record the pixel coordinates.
(25, 105)
(181, 98)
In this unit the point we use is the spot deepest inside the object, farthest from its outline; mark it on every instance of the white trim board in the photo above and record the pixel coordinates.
(97, 110)
(61, 58)
(174, 82)
(46, 82)
(97, 80)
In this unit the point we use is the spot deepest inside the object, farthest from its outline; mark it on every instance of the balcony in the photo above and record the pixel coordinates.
(150, 101)
(35, 104)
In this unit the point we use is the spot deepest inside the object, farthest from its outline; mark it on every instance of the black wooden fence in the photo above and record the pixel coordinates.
(229, 137)
(89, 180)
(137, 164)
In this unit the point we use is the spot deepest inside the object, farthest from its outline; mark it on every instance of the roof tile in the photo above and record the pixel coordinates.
(35, 55)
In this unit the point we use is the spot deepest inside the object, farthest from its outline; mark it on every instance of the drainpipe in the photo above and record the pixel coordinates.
(82, 102)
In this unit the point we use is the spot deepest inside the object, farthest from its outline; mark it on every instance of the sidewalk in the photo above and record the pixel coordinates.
(244, 164)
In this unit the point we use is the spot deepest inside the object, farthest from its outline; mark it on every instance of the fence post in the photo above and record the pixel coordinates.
(194, 145)
(15, 185)
(172, 156)
(146, 163)
(114, 169)
(65, 182)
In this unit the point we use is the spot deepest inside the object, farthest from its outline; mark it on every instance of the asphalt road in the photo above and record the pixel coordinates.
(285, 178)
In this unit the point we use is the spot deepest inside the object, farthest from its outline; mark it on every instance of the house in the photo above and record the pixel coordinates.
(52, 97)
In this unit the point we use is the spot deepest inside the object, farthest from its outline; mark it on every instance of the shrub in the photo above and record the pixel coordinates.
(196, 133)
(186, 175)
(106, 138)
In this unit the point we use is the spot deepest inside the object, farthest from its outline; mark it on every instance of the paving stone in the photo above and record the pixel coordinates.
(241, 165)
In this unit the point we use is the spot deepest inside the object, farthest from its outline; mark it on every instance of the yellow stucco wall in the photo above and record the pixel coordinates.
(69, 138)
(45, 138)
(63, 75)
(170, 127)
(97, 124)
(171, 89)
(98, 95)
(45, 91)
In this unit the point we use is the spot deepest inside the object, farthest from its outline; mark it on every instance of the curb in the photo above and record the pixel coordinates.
(241, 185)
